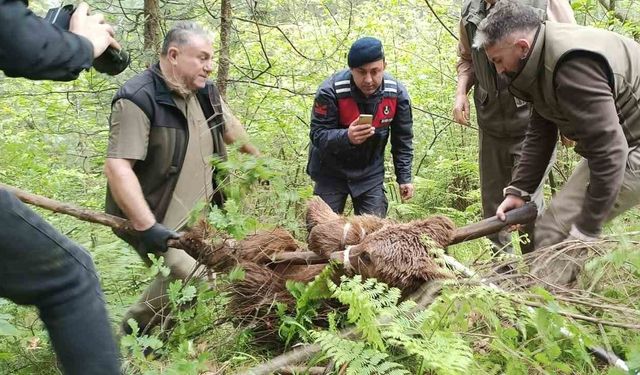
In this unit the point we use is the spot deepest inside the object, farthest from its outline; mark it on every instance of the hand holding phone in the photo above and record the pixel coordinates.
(364, 119)
(360, 129)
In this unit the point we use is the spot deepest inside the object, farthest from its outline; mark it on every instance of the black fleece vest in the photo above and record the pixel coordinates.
(168, 137)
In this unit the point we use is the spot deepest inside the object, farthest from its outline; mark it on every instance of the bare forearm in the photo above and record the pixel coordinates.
(127, 193)
(465, 82)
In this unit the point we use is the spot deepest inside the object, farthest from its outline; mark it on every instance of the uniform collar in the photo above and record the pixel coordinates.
(359, 96)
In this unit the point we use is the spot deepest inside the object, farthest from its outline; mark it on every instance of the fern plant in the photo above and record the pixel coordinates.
(468, 329)
(366, 301)
(393, 338)
(309, 298)
(360, 357)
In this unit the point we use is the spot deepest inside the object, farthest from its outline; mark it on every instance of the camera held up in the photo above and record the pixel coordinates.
(111, 62)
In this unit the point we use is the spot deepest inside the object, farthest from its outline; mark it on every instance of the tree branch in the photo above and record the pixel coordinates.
(442, 23)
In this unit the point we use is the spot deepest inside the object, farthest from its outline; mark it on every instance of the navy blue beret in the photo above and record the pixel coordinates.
(364, 51)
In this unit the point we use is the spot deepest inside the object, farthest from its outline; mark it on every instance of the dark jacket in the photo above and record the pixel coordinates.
(168, 137)
(334, 160)
(33, 48)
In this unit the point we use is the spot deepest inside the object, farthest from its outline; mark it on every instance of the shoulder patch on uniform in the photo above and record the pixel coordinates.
(320, 108)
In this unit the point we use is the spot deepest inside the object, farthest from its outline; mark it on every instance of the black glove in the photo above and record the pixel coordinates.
(156, 237)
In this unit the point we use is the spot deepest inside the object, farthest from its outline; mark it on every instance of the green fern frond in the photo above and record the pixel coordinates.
(443, 352)
(367, 301)
(308, 299)
(360, 359)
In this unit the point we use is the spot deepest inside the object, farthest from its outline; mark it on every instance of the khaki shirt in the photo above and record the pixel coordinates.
(557, 11)
(128, 139)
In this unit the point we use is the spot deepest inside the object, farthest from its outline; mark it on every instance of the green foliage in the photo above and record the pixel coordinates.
(366, 300)
(468, 329)
(394, 339)
(157, 266)
(6, 327)
(179, 294)
(309, 297)
(361, 358)
(523, 338)
(232, 220)
(244, 177)
(53, 140)
(137, 343)
(195, 308)
(258, 188)
(236, 273)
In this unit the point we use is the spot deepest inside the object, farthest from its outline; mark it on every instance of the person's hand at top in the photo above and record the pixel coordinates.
(94, 28)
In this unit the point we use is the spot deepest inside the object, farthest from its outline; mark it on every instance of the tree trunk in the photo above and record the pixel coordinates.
(223, 59)
(151, 27)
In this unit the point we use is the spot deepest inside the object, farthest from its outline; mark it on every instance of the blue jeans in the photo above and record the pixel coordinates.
(39, 266)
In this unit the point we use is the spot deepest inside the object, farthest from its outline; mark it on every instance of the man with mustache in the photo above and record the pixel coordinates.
(584, 82)
(502, 118)
(166, 124)
(346, 156)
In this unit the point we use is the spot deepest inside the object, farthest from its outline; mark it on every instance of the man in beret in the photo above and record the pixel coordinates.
(346, 157)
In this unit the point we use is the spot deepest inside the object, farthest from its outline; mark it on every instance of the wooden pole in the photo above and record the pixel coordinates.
(521, 215)
(78, 212)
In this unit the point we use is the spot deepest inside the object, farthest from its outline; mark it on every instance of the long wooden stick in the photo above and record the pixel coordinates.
(115, 222)
(521, 215)
(78, 212)
(84, 214)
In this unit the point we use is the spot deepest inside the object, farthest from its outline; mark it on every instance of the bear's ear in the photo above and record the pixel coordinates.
(440, 229)
(318, 212)
(441, 223)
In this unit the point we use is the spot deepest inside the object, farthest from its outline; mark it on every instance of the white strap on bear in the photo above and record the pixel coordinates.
(346, 262)
(345, 232)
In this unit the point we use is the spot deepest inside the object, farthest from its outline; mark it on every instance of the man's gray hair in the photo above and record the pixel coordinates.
(181, 33)
(508, 17)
